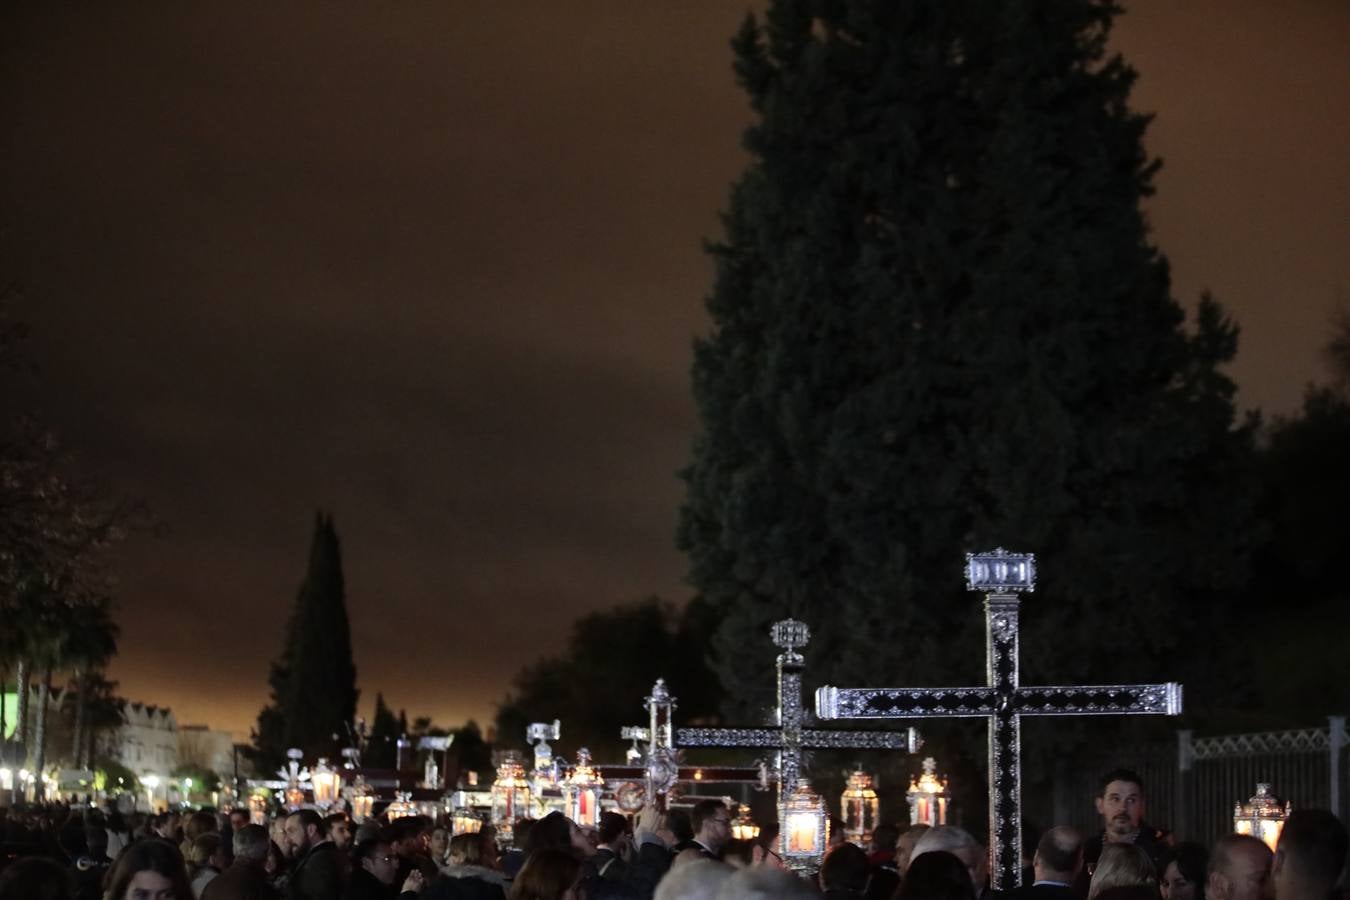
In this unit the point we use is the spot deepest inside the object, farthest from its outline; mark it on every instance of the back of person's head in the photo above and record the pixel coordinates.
(696, 880)
(466, 850)
(1122, 865)
(677, 820)
(1192, 862)
(1129, 892)
(845, 868)
(148, 855)
(547, 875)
(37, 878)
(936, 875)
(552, 832)
(762, 883)
(96, 841)
(203, 847)
(1229, 847)
(703, 811)
(884, 837)
(520, 835)
(1119, 775)
(943, 837)
(612, 827)
(1060, 850)
(199, 823)
(308, 818)
(250, 843)
(1312, 849)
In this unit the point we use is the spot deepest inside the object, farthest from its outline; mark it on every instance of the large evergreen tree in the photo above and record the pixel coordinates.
(940, 325)
(314, 681)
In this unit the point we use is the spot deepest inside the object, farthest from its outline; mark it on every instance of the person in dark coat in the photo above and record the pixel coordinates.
(246, 877)
(1121, 804)
(375, 870)
(1057, 863)
(844, 872)
(317, 874)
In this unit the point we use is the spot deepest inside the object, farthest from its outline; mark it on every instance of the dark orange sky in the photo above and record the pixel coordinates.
(437, 268)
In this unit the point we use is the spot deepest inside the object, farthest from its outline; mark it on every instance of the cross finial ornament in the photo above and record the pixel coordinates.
(1002, 576)
(790, 635)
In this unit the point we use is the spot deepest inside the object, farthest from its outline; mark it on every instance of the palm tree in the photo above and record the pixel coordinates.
(91, 642)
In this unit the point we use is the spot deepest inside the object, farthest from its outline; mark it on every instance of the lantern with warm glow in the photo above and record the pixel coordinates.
(860, 808)
(257, 809)
(402, 807)
(465, 821)
(362, 800)
(1262, 816)
(327, 785)
(510, 795)
(806, 828)
(743, 828)
(928, 797)
(583, 791)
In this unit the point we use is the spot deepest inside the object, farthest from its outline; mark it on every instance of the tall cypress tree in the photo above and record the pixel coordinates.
(940, 325)
(314, 681)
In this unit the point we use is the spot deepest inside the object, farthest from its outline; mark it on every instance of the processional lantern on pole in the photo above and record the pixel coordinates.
(1002, 577)
(859, 807)
(1262, 816)
(545, 774)
(662, 769)
(583, 789)
(295, 777)
(327, 785)
(928, 797)
(362, 799)
(465, 821)
(806, 827)
(743, 827)
(510, 795)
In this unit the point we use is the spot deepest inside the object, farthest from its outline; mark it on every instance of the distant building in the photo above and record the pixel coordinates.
(147, 742)
(200, 746)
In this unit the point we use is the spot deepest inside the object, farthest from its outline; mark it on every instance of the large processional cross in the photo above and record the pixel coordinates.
(1002, 700)
(788, 738)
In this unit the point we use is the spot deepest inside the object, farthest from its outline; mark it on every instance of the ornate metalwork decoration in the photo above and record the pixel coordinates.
(1306, 741)
(1002, 700)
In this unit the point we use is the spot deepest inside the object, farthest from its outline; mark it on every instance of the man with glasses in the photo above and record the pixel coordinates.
(712, 829)
(374, 869)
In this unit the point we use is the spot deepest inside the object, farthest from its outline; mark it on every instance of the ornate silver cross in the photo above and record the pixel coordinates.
(1003, 701)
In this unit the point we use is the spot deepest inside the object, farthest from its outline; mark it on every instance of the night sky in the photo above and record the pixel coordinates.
(437, 268)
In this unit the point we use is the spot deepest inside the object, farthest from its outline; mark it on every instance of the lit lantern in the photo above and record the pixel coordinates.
(928, 797)
(465, 821)
(362, 800)
(806, 828)
(257, 809)
(1262, 816)
(743, 828)
(401, 808)
(510, 795)
(860, 808)
(295, 779)
(583, 791)
(661, 767)
(327, 785)
(545, 774)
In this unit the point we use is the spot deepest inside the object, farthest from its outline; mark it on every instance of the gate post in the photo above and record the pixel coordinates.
(1335, 745)
(1181, 800)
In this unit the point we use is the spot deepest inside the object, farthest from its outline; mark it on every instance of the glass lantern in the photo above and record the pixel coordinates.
(402, 807)
(928, 797)
(1262, 816)
(327, 785)
(860, 808)
(583, 791)
(806, 828)
(362, 800)
(743, 828)
(510, 795)
(465, 821)
(257, 809)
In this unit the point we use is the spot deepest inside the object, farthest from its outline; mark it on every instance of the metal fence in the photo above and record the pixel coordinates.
(1193, 783)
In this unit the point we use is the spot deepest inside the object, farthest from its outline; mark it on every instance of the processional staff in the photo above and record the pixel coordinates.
(1001, 576)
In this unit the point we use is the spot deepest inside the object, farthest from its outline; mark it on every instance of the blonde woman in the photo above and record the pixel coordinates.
(1122, 865)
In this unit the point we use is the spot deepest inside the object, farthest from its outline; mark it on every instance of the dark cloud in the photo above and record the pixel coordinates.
(437, 268)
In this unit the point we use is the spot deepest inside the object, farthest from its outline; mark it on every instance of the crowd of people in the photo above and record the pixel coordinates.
(58, 852)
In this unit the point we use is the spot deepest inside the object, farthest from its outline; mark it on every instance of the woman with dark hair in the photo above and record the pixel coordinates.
(549, 874)
(936, 875)
(150, 869)
(1183, 873)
